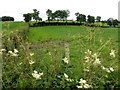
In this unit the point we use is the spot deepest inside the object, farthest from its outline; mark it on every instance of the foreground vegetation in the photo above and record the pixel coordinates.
(59, 57)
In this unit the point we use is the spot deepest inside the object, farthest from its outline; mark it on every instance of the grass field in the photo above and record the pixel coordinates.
(61, 33)
(64, 56)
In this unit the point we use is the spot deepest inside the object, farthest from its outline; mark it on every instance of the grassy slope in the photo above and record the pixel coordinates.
(79, 44)
(12, 25)
(65, 33)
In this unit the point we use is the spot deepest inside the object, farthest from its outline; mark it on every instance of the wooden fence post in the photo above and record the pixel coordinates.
(67, 51)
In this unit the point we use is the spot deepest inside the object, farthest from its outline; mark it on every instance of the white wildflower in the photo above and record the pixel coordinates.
(88, 52)
(41, 74)
(10, 52)
(111, 69)
(103, 67)
(66, 76)
(87, 86)
(82, 81)
(2, 50)
(87, 58)
(36, 75)
(79, 86)
(31, 54)
(97, 62)
(20, 63)
(14, 54)
(35, 71)
(70, 80)
(31, 62)
(112, 53)
(15, 51)
(66, 60)
(49, 53)
(107, 70)
(87, 70)
(94, 56)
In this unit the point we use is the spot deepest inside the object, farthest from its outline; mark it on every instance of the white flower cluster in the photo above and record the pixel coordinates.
(31, 54)
(92, 58)
(112, 53)
(13, 53)
(83, 84)
(66, 60)
(37, 75)
(67, 78)
(109, 70)
(2, 50)
(31, 62)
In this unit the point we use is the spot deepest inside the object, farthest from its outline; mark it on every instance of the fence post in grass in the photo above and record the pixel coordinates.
(67, 51)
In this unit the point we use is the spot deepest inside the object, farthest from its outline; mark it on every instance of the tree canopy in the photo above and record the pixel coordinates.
(7, 18)
(91, 19)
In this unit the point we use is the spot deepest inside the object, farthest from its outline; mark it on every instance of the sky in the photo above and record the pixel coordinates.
(16, 8)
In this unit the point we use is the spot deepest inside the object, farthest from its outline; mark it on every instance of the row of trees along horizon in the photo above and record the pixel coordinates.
(62, 15)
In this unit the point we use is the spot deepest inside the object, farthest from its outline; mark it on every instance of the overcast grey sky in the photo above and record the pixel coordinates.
(103, 8)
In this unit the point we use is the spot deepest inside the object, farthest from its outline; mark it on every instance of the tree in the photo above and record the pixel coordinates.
(7, 18)
(40, 19)
(35, 15)
(98, 18)
(49, 14)
(91, 19)
(61, 14)
(82, 18)
(66, 14)
(77, 16)
(110, 21)
(115, 22)
(27, 17)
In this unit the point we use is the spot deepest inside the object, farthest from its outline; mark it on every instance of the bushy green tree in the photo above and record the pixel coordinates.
(110, 21)
(115, 22)
(27, 17)
(98, 18)
(80, 17)
(7, 18)
(61, 14)
(49, 14)
(35, 15)
(91, 19)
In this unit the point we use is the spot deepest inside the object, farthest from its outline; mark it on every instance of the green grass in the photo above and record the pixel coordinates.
(11, 26)
(48, 56)
(54, 33)
(66, 33)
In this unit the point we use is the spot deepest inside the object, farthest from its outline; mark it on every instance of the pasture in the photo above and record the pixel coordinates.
(60, 57)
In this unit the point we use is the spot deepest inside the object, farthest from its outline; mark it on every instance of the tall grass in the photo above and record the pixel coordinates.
(86, 63)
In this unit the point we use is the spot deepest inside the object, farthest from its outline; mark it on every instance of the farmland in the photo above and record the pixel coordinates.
(59, 56)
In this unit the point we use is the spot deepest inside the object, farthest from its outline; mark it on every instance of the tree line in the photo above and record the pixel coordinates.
(63, 15)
